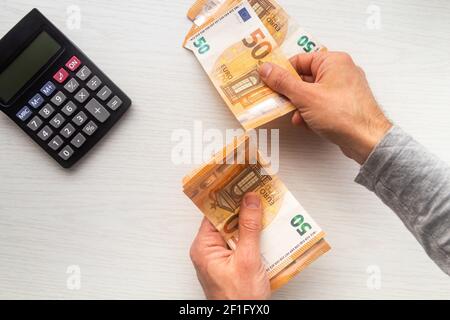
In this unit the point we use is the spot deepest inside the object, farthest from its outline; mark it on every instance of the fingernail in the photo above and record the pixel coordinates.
(252, 201)
(265, 70)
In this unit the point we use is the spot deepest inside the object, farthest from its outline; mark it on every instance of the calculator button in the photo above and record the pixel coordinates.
(72, 85)
(114, 103)
(82, 95)
(58, 98)
(46, 111)
(104, 93)
(94, 83)
(90, 128)
(56, 143)
(45, 133)
(36, 101)
(24, 113)
(67, 131)
(61, 75)
(80, 118)
(57, 121)
(73, 64)
(66, 153)
(48, 89)
(78, 141)
(69, 108)
(35, 123)
(84, 73)
(97, 110)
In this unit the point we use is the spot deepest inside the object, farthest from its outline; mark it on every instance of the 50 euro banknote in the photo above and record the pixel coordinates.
(290, 238)
(284, 29)
(231, 48)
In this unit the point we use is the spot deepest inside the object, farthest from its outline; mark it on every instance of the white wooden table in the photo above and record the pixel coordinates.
(121, 215)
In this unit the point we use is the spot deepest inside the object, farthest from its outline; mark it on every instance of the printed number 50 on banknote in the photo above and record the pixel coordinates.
(230, 49)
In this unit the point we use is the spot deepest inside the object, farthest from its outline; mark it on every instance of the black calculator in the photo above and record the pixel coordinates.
(54, 92)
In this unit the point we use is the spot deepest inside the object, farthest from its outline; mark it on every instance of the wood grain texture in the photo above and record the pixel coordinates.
(121, 215)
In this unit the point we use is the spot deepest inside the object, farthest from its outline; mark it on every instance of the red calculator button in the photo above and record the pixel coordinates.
(73, 63)
(61, 75)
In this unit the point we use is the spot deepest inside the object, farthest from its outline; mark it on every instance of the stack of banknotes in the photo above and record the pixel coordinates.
(231, 38)
(290, 239)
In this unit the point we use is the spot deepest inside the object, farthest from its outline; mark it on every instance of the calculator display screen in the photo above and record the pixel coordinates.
(26, 65)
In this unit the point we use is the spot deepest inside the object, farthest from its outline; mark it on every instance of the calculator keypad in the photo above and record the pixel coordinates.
(67, 110)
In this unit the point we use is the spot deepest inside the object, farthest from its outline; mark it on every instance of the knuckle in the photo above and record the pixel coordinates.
(194, 255)
(250, 224)
(345, 57)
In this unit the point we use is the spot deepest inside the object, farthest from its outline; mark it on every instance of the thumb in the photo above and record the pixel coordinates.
(250, 223)
(282, 81)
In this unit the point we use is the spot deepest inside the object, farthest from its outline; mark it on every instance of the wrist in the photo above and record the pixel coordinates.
(366, 139)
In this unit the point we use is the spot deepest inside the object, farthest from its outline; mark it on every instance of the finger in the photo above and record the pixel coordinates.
(297, 119)
(206, 226)
(308, 63)
(250, 224)
(208, 235)
(309, 79)
(302, 63)
(208, 244)
(285, 83)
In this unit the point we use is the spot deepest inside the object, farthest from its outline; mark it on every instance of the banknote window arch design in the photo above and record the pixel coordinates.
(261, 7)
(230, 196)
(242, 89)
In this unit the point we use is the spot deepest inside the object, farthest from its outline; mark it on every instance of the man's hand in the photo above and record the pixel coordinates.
(227, 274)
(333, 99)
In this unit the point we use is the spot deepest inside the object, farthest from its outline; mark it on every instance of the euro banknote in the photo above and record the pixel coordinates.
(292, 38)
(231, 60)
(290, 238)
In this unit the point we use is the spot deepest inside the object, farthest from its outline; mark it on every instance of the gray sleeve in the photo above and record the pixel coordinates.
(416, 185)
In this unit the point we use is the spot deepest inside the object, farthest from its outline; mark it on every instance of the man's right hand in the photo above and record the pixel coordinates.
(333, 99)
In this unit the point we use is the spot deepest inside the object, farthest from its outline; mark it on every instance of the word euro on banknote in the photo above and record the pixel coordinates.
(290, 239)
(231, 60)
(286, 31)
